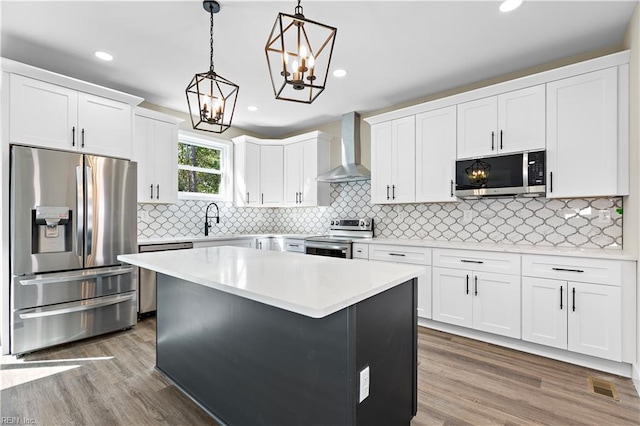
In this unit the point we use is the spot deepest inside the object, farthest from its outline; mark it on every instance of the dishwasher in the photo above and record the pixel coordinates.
(147, 286)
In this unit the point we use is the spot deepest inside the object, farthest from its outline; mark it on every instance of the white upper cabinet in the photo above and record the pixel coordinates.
(68, 119)
(303, 162)
(582, 136)
(271, 175)
(509, 122)
(155, 148)
(436, 155)
(393, 161)
(277, 173)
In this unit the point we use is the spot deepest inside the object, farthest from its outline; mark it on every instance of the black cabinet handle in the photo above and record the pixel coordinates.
(561, 297)
(397, 254)
(151, 191)
(294, 245)
(551, 181)
(247, 198)
(500, 139)
(574, 299)
(471, 261)
(158, 191)
(262, 197)
(467, 283)
(83, 138)
(452, 187)
(567, 270)
(493, 135)
(387, 192)
(73, 136)
(393, 192)
(476, 285)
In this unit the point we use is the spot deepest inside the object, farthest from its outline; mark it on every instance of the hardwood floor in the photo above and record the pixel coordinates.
(111, 380)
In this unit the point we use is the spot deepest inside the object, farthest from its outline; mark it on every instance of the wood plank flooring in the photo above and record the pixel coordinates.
(111, 380)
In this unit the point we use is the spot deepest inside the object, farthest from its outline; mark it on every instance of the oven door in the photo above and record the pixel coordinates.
(328, 249)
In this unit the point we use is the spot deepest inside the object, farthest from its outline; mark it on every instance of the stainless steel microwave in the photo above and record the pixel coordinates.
(505, 175)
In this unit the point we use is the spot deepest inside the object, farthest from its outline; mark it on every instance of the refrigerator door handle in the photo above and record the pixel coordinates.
(80, 212)
(86, 306)
(89, 204)
(82, 275)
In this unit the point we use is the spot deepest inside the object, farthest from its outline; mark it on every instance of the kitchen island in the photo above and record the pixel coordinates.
(275, 338)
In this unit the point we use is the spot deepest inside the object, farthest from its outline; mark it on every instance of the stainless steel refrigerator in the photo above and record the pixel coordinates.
(71, 216)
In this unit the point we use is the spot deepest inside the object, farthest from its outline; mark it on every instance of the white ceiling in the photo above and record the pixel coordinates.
(394, 51)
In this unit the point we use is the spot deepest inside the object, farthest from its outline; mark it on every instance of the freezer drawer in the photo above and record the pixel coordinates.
(38, 328)
(48, 289)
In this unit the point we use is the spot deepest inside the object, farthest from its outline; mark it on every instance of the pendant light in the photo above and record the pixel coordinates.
(299, 55)
(211, 97)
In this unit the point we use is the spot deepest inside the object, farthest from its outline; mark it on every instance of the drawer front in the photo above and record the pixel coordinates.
(360, 251)
(596, 271)
(481, 261)
(296, 246)
(400, 254)
(248, 243)
(38, 328)
(48, 289)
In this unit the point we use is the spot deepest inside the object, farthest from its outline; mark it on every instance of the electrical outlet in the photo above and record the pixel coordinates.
(144, 216)
(467, 216)
(604, 217)
(364, 384)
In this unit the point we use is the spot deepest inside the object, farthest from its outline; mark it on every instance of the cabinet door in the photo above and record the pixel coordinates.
(521, 120)
(544, 311)
(477, 122)
(309, 189)
(271, 175)
(496, 304)
(452, 298)
(424, 293)
(595, 320)
(252, 174)
(143, 154)
(403, 160)
(165, 162)
(105, 126)
(292, 173)
(436, 155)
(263, 243)
(42, 114)
(582, 136)
(381, 163)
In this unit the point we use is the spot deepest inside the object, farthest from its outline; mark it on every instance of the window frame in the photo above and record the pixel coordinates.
(226, 166)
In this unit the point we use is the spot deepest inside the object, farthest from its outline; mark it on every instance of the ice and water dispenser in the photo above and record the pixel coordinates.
(51, 229)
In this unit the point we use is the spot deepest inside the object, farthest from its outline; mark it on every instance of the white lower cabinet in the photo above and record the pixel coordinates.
(270, 243)
(417, 256)
(581, 317)
(481, 300)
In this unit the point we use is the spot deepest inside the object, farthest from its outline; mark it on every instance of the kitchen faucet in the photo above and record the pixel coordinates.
(207, 225)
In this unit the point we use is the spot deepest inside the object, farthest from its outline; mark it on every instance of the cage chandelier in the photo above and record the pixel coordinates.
(299, 55)
(211, 98)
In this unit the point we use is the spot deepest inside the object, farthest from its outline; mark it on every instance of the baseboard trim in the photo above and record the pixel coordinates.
(635, 376)
(613, 367)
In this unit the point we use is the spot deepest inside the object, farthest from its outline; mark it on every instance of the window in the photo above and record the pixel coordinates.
(203, 168)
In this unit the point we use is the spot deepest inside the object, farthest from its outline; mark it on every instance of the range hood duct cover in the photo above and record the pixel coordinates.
(350, 170)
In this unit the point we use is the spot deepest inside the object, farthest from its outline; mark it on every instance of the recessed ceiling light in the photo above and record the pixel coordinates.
(252, 108)
(103, 55)
(509, 5)
(339, 73)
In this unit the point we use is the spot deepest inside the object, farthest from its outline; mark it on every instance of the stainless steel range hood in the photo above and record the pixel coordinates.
(350, 170)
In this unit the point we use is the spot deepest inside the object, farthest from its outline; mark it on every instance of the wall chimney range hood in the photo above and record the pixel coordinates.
(350, 170)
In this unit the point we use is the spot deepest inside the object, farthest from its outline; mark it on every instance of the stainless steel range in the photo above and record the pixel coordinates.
(339, 242)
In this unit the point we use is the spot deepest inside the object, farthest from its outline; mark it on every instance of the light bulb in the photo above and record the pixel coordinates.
(303, 51)
(312, 61)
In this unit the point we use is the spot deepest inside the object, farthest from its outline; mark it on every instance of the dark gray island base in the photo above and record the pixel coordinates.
(249, 363)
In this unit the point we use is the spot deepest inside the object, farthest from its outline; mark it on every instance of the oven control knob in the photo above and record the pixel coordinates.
(332, 223)
(362, 223)
(367, 223)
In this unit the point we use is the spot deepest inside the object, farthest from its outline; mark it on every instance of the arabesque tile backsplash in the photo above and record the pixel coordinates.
(525, 221)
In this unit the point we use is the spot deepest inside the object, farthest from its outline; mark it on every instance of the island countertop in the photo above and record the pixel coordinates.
(314, 286)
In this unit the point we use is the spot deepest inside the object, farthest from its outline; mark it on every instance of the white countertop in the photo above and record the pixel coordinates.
(185, 239)
(611, 253)
(315, 286)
